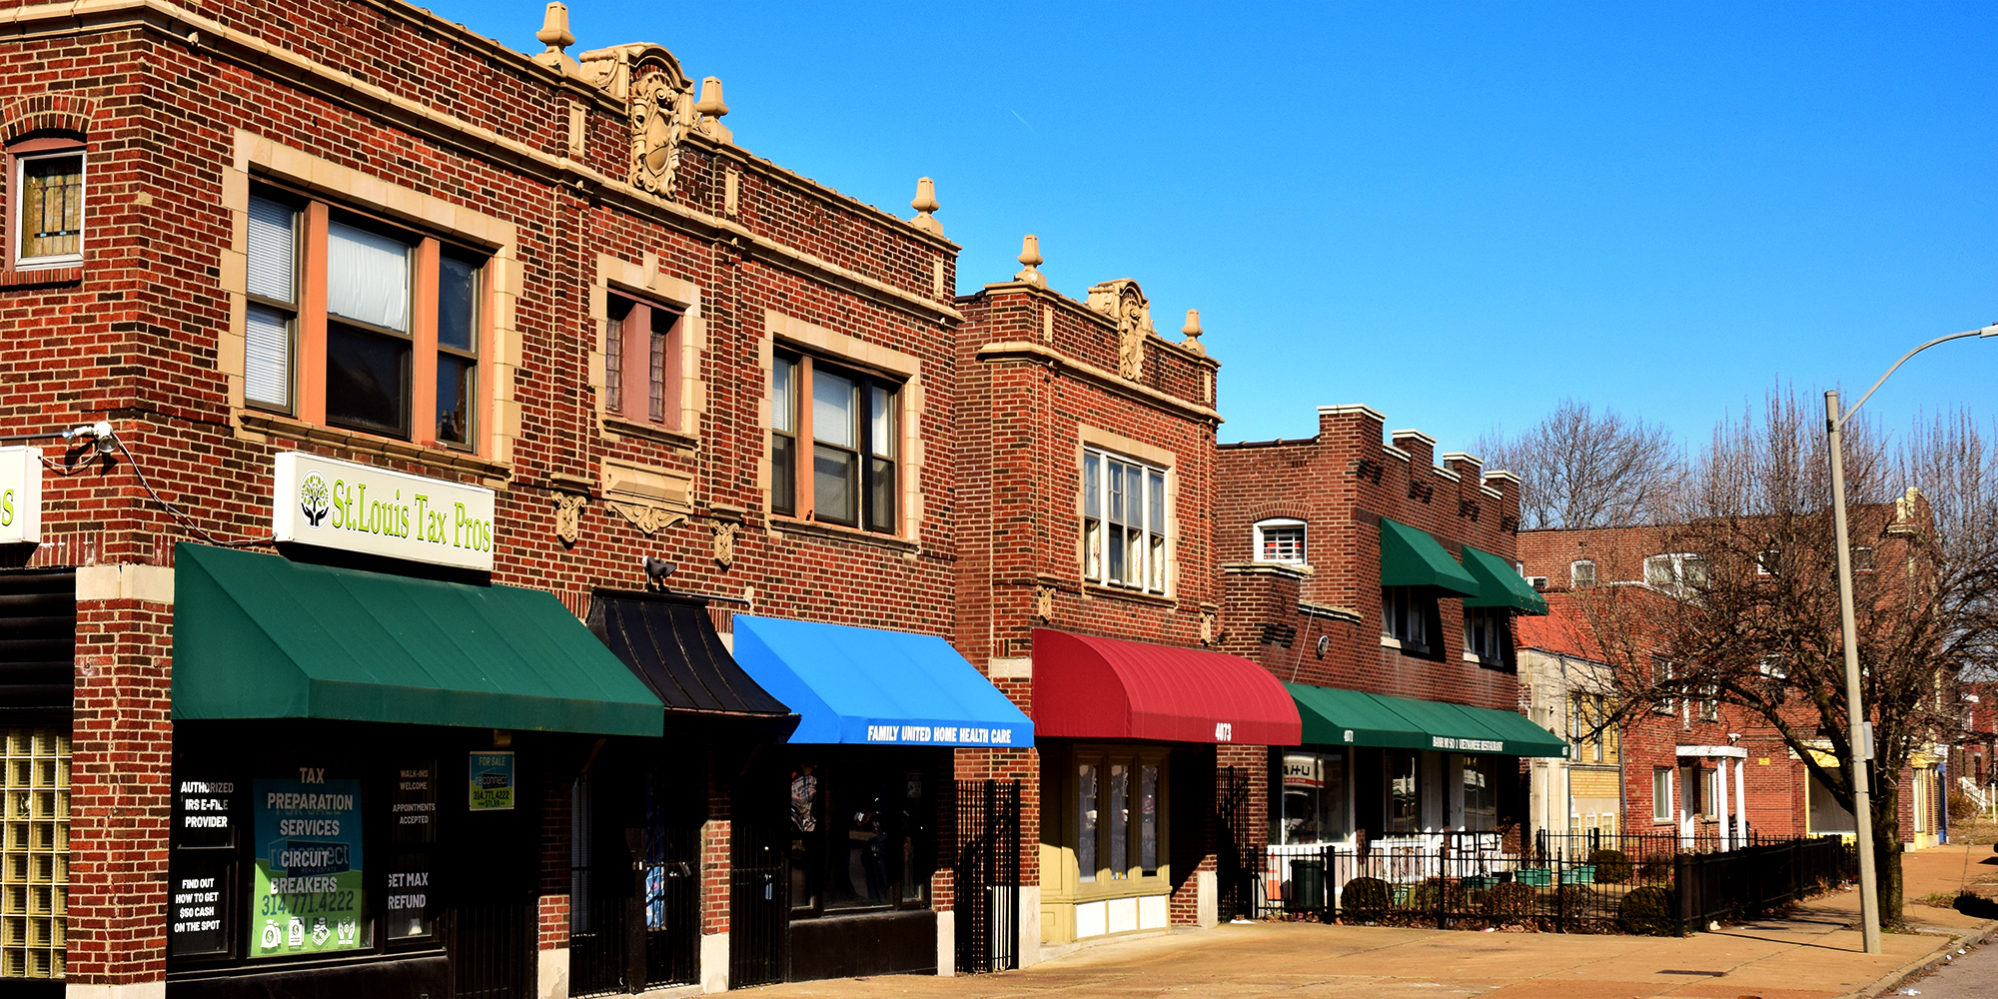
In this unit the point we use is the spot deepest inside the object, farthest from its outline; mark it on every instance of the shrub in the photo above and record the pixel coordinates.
(1612, 867)
(1511, 902)
(1961, 808)
(1427, 896)
(1365, 899)
(1577, 901)
(1647, 911)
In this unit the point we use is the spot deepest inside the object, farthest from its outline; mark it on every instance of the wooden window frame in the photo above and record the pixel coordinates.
(872, 467)
(312, 323)
(642, 376)
(1108, 880)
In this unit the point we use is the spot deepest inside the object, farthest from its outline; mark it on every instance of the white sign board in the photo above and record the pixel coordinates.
(20, 495)
(373, 511)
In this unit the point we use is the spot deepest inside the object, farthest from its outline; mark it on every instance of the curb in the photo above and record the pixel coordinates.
(1977, 935)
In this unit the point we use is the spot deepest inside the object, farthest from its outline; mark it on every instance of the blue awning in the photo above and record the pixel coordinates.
(867, 686)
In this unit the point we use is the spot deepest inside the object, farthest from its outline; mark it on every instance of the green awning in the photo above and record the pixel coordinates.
(257, 636)
(1412, 558)
(1499, 585)
(1335, 717)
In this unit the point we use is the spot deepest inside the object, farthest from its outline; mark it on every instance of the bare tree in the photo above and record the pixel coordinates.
(1580, 469)
(1753, 621)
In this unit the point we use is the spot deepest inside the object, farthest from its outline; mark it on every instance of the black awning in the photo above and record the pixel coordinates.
(670, 643)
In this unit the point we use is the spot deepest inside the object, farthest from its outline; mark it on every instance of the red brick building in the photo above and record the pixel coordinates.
(1380, 587)
(1086, 495)
(290, 251)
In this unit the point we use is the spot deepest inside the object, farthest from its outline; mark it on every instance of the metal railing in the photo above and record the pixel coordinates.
(1580, 883)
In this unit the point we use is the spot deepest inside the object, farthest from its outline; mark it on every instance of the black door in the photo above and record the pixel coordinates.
(489, 860)
(988, 875)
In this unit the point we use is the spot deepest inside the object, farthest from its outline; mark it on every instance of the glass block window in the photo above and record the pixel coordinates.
(34, 852)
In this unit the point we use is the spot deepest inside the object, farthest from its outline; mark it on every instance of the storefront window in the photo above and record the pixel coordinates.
(1480, 793)
(1313, 807)
(308, 884)
(1120, 814)
(1404, 799)
(861, 836)
(413, 810)
(1148, 819)
(1085, 810)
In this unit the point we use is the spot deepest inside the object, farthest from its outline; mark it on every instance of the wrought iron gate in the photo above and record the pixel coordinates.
(988, 875)
(634, 888)
(759, 898)
(1236, 851)
(491, 945)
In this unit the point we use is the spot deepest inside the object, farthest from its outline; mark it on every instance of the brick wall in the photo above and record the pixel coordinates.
(392, 106)
(1341, 482)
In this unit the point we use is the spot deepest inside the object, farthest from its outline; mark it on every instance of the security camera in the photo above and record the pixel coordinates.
(1733, 737)
(656, 571)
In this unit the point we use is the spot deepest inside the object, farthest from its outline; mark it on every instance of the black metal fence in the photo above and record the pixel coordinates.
(1235, 850)
(1593, 884)
(988, 876)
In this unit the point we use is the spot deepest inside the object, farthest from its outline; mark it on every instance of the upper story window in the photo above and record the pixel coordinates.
(360, 324)
(1594, 738)
(1123, 522)
(1409, 617)
(1663, 673)
(45, 177)
(833, 450)
(641, 349)
(1862, 558)
(1488, 635)
(1280, 539)
(1675, 572)
(1582, 573)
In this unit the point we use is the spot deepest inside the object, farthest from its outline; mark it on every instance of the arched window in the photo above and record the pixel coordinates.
(45, 202)
(1280, 539)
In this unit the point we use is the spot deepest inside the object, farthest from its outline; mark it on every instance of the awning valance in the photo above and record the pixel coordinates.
(1334, 717)
(865, 685)
(258, 636)
(1102, 688)
(1499, 585)
(670, 644)
(1410, 557)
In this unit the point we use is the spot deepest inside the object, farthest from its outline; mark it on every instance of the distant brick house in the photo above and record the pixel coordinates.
(1692, 765)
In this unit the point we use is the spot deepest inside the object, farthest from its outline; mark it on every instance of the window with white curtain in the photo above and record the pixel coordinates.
(357, 359)
(1123, 522)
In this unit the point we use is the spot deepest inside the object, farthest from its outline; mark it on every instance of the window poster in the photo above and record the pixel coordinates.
(491, 782)
(307, 894)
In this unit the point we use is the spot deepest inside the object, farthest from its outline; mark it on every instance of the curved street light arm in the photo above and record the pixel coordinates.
(1987, 331)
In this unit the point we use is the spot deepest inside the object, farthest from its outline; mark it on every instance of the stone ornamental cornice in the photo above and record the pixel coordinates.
(1075, 308)
(340, 87)
(1020, 350)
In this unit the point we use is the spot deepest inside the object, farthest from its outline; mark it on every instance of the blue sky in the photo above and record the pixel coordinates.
(1457, 213)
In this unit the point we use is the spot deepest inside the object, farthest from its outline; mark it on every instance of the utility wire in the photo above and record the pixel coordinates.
(168, 507)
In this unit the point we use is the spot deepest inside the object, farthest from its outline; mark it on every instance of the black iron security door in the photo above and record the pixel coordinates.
(759, 902)
(988, 876)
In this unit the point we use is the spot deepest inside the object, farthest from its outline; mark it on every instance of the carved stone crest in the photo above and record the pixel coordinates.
(1125, 303)
(569, 517)
(1207, 627)
(725, 542)
(649, 519)
(660, 105)
(1044, 602)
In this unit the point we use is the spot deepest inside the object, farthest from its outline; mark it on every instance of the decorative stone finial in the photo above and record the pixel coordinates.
(711, 109)
(925, 203)
(555, 34)
(1030, 255)
(1192, 330)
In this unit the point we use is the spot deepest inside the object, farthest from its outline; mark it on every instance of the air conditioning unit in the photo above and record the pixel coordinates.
(1539, 582)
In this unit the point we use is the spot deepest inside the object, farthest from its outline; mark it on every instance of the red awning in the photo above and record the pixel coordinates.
(1102, 688)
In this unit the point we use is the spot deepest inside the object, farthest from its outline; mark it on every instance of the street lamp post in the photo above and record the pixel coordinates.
(1862, 804)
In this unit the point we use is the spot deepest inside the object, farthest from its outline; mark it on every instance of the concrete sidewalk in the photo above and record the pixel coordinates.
(1813, 953)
